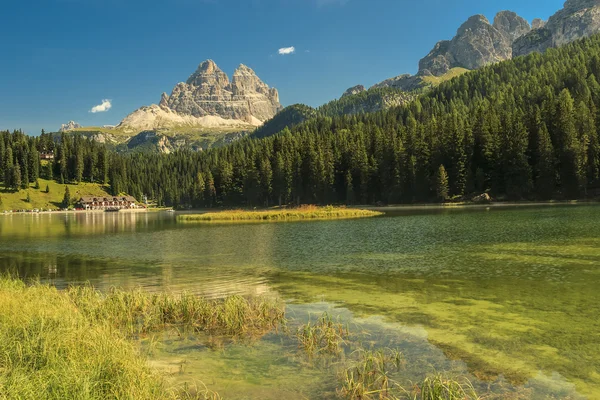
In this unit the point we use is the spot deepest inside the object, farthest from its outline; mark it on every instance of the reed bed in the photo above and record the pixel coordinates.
(322, 337)
(51, 350)
(78, 344)
(137, 312)
(282, 214)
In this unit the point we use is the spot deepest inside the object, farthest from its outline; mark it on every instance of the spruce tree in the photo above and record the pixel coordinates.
(544, 170)
(16, 177)
(66, 198)
(441, 184)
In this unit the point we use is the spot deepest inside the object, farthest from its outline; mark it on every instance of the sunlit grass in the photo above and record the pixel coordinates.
(79, 343)
(138, 312)
(40, 199)
(283, 214)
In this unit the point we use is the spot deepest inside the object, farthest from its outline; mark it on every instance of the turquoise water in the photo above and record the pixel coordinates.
(505, 296)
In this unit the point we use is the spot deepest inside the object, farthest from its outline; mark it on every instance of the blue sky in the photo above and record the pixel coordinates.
(60, 58)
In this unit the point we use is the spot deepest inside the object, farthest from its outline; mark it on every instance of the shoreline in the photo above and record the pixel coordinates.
(497, 204)
(73, 212)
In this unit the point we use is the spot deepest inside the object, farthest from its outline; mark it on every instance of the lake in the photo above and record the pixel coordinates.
(506, 296)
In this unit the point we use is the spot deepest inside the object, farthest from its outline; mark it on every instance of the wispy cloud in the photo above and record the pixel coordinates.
(286, 50)
(105, 106)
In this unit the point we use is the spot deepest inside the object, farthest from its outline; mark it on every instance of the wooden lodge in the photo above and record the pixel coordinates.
(47, 156)
(108, 203)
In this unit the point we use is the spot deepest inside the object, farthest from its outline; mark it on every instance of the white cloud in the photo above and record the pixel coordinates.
(105, 106)
(287, 50)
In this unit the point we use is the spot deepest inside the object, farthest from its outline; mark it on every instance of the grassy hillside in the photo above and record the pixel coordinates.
(42, 200)
(437, 80)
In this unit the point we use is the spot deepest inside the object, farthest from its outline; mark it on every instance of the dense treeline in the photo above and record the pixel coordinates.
(522, 129)
(76, 159)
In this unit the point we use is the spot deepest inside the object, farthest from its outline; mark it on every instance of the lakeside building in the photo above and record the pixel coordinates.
(47, 156)
(108, 203)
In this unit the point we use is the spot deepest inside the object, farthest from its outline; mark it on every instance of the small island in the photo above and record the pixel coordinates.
(282, 214)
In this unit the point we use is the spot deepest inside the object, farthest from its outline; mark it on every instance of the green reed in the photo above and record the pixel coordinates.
(282, 214)
(372, 377)
(139, 312)
(324, 336)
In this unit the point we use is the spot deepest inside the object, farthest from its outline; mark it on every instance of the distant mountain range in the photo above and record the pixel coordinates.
(479, 43)
(211, 110)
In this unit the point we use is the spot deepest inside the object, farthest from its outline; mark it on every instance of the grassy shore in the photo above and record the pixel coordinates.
(40, 199)
(283, 214)
(79, 343)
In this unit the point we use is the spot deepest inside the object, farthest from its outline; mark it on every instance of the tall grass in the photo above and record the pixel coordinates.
(283, 214)
(139, 312)
(322, 337)
(77, 344)
(51, 350)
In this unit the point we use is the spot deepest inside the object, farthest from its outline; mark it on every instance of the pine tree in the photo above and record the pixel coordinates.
(67, 198)
(28, 197)
(441, 184)
(349, 189)
(47, 189)
(16, 177)
(567, 144)
(545, 175)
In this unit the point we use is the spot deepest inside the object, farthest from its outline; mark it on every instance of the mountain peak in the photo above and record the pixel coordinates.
(576, 5)
(511, 24)
(244, 70)
(69, 126)
(578, 19)
(208, 66)
(209, 92)
(354, 90)
(477, 43)
(208, 73)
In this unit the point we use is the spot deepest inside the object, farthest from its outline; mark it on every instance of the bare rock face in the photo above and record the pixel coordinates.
(538, 23)
(477, 43)
(69, 126)
(354, 90)
(208, 92)
(578, 19)
(511, 25)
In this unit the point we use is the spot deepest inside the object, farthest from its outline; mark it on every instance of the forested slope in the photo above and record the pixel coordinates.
(525, 128)
(522, 129)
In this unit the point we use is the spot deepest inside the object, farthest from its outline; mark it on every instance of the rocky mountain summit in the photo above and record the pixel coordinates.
(578, 19)
(354, 90)
(209, 100)
(477, 43)
(208, 92)
(69, 126)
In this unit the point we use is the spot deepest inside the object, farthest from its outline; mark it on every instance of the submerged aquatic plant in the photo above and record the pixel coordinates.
(322, 337)
(370, 377)
(441, 388)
